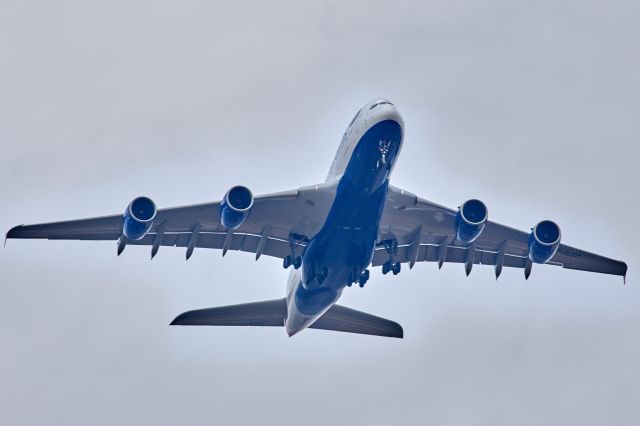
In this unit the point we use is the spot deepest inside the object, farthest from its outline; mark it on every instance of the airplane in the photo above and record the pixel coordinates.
(330, 234)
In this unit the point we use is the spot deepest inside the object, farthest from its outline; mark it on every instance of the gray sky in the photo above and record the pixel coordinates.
(531, 107)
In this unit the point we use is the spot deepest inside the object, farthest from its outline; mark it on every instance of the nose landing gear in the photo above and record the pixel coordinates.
(383, 148)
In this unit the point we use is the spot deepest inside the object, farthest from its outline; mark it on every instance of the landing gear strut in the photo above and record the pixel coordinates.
(293, 259)
(391, 247)
(383, 148)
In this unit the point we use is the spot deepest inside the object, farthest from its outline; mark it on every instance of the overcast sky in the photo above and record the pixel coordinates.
(530, 106)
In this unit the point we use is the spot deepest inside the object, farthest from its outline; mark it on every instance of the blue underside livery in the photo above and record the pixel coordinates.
(343, 249)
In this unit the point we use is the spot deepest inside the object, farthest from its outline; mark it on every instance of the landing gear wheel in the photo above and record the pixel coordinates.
(297, 263)
(364, 277)
(286, 262)
(391, 247)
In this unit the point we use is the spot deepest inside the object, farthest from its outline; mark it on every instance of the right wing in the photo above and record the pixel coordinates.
(425, 231)
(273, 219)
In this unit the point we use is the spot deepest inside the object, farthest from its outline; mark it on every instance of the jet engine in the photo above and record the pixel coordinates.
(470, 220)
(235, 206)
(544, 241)
(138, 218)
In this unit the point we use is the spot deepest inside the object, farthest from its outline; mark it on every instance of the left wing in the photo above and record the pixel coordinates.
(425, 231)
(273, 219)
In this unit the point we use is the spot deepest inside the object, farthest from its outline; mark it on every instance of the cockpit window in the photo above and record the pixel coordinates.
(380, 103)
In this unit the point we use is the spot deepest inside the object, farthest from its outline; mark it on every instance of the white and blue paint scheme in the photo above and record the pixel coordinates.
(330, 234)
(340, 253)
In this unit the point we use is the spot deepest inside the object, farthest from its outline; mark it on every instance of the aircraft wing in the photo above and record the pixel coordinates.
(426, 231)
(272, 219)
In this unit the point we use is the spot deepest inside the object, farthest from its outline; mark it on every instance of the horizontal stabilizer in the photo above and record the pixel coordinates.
(272, 313)
(339, 318)
(269, 313)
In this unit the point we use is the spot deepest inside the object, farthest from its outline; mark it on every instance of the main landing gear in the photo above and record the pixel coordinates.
(361, 280)
(391, 267)
(293, 259)
(391, 247)
(296, 262)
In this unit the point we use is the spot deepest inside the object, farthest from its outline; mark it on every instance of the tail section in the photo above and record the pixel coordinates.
(272, 313)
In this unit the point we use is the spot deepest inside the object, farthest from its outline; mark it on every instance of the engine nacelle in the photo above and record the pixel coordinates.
(544, 241)
(235, 206)
(470, 220)
(138, 218)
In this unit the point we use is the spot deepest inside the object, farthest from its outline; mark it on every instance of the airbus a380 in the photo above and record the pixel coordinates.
(331, 233)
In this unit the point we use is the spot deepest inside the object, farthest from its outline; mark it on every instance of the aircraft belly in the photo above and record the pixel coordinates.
(344, 247)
